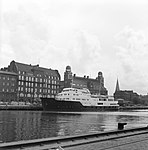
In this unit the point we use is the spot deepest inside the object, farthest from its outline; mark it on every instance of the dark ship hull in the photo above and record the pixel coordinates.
(50, 104)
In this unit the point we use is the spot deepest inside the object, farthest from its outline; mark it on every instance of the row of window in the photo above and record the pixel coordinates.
(27, 78)
(7, 78)
(8, 90)
(48, 76)
(32, 79)
(39, 75)
(40, 86)
(35, 84)
(83, 85)
(35, 95)
(31, 90)
(68, 94)
(30, 86)
(8, 84)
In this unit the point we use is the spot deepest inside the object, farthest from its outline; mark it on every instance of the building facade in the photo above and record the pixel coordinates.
(8, 86)
(95, 86)
(125, 96)
(34, 82)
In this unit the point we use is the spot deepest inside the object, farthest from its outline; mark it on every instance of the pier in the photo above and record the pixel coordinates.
(133, 139)
(133, 107)
(20, 107)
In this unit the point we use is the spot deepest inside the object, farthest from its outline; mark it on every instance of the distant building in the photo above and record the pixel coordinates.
(128, 96)
(144, 99)
(34, 82)
(8, 86)
(96, 86)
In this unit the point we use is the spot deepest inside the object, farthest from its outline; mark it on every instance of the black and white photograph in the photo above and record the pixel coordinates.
(74, 74)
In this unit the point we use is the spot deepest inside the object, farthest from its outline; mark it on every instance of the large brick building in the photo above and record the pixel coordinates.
(34, 82)
(96, 86)
(8, 86)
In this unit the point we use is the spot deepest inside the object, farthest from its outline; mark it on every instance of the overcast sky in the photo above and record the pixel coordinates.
(89, 35)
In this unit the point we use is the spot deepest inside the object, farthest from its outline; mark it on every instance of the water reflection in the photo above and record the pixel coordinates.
(25, 125)
(19, 125)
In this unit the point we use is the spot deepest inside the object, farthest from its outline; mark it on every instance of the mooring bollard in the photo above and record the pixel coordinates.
(121, 126)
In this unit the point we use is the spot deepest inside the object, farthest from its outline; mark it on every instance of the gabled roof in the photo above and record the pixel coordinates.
(47, 71)
(85, 80)
(79, 80)
(23, 67)
(29, 69)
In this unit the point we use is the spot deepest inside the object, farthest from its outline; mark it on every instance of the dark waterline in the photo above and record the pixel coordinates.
(26, 125)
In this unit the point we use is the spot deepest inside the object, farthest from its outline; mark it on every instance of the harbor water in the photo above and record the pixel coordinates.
(26, 125)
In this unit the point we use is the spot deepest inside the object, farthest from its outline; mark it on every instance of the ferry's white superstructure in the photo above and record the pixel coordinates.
(85, 98)
(72, 99)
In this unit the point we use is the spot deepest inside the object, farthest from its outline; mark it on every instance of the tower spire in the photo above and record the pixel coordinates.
(117, 86)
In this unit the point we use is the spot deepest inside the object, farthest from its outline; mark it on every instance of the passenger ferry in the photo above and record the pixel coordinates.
(72, 99)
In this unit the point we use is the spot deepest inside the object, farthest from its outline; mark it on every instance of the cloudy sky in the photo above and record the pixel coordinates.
(89, 35)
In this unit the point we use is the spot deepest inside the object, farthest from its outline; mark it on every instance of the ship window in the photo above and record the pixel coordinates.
(66, 90)
(110, 99)
(100, 103)
(112, 104)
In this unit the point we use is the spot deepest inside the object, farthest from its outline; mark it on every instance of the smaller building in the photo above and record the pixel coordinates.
(144, 99)
(8, 86)
(127, 96)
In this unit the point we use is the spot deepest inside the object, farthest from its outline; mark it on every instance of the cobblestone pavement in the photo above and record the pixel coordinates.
(138, 142)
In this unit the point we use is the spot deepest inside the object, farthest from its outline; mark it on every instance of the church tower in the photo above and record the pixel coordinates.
(117, 86)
